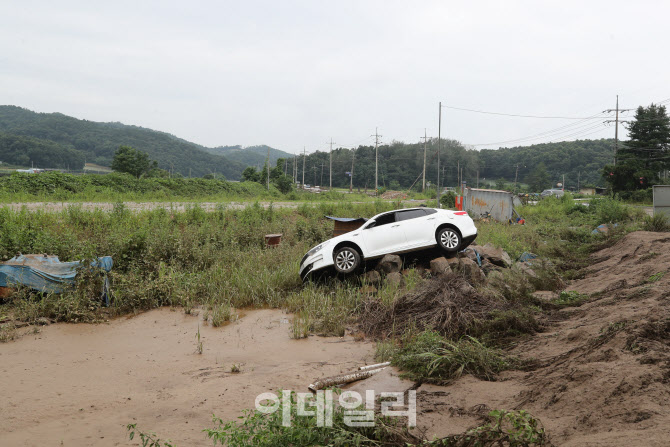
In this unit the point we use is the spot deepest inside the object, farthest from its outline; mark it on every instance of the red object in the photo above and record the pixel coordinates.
(461, 213)
(459, 203)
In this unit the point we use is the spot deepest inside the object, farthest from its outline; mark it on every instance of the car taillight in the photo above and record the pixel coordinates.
(461, 213)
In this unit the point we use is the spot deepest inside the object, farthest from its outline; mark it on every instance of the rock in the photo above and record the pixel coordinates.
(471, 254)
(440, 266)
(368, 290)
(372, 277)
(495, 255)
(454, 263)
(471, 271)
(525, 268)
(488, 267)
(42, 321)
(394, 278)
(390, 264)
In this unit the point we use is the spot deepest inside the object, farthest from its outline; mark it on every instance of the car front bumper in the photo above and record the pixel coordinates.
(312, 264)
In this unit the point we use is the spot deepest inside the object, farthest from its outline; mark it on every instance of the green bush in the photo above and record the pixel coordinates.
(658, 222)
(431, 357)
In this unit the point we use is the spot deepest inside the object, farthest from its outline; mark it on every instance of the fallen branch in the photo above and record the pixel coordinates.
(342, 379)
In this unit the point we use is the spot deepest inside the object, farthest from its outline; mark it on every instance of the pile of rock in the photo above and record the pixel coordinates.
(475, 264)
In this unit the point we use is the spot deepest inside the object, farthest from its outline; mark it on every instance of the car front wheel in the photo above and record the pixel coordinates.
(449, 239)
(346, 259)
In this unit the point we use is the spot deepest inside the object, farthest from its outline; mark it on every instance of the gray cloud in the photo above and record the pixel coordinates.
(296, 73)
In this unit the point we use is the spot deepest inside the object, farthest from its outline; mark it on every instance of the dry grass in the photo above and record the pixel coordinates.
(448, 305)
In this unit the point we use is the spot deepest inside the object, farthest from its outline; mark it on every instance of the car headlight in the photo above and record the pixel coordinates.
(314, 250)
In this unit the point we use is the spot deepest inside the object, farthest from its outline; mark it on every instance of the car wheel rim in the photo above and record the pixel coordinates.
(449, 239)
(345, 260)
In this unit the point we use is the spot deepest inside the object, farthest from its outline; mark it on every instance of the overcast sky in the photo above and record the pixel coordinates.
(294, 73)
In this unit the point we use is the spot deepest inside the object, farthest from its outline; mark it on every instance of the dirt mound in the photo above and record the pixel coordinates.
(394, 195)
(447, 304)
(605, 373)
(601, 372)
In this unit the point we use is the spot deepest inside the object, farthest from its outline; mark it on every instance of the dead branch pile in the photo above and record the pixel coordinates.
(447, 304)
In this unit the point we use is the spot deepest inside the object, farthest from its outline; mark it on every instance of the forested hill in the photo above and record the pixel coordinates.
(57, 141)
(581, 159)
(54, 140)
(401, 164)
(249, 156)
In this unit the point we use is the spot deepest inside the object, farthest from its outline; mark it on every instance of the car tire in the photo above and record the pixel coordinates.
(449, 239)
(346, 260)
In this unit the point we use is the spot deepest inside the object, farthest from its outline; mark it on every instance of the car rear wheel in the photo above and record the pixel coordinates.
(346, 260)
(449, 239)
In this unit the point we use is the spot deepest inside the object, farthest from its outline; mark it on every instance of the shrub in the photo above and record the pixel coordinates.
(658, 222)
(431, 357)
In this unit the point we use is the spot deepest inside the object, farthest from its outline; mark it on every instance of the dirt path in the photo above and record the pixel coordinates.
(79, 385)
(175, 206)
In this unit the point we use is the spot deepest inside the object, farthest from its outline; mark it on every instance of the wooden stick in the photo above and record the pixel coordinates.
(342, 379)
(375, 366)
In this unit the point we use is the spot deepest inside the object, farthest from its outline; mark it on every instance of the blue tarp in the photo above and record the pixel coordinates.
(44, 273)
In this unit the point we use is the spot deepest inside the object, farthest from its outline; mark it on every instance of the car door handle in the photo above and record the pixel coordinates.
(431, 218)
(393, 226)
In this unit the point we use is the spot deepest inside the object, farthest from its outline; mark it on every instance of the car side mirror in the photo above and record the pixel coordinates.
(371, 225)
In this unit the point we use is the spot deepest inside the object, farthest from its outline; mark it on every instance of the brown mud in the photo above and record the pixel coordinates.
(82, 384)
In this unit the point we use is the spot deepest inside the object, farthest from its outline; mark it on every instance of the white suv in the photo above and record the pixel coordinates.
(393, 232)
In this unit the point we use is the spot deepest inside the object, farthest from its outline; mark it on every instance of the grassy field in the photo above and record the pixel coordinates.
(218, 259)
(113, 187)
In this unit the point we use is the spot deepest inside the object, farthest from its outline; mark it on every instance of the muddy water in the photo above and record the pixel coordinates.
(79, 385)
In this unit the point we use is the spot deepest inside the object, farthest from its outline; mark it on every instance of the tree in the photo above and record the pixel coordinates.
(132, 161)
(645, 155)
(250, 175)
(538, 180)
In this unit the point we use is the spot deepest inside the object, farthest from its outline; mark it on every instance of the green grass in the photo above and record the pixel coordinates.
(114, 187)
(570, 299)
(431, 357)
(194, 258)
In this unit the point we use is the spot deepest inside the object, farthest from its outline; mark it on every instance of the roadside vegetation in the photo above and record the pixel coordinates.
(116, 186)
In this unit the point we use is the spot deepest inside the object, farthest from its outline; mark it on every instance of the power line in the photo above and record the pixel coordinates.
(550, 132)
(519, 115)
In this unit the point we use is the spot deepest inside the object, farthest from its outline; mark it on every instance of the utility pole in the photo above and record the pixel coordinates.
(425, 141)
(477, 178)
(376, 162)
(458, 174)
(321, 182)
(268, 168)
(439, 146)
(578, 175)
(516, 176)
(351, 174)
(304, 154)
(330, 170)
(563, 182)
(616, 132)
(616, 126)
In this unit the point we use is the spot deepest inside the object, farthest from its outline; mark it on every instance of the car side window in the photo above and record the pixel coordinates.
(409, 214)
(385, 219)
(429, 211)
